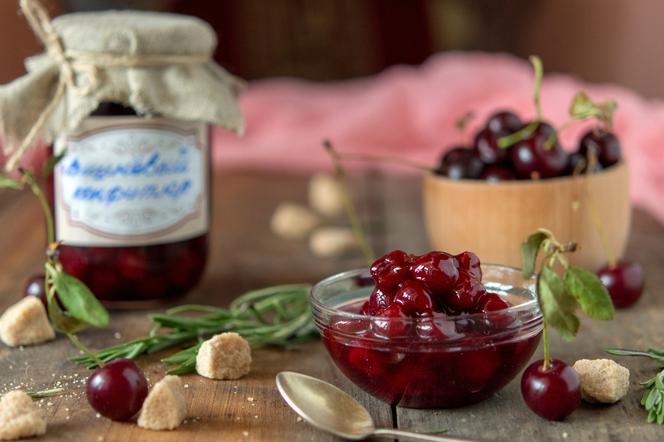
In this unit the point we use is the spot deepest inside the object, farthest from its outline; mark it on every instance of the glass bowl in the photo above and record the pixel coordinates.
(436, 362)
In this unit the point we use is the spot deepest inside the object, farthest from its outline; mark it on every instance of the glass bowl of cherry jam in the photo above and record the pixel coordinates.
(436, 359)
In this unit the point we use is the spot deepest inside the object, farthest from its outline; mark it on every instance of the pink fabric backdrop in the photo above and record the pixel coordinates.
(411, 111)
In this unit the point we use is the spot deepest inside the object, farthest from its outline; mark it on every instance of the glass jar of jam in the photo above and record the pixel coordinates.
(131, 199)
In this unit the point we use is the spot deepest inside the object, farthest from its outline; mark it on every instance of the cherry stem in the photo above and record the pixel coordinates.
(351, 212)
(353, 156)
(545, 345)
(539, 73)
(519, 135)
(29, 179)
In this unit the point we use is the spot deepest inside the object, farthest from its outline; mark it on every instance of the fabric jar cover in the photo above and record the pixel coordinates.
(157, 63)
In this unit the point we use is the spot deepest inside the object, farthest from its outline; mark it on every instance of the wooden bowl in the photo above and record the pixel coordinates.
(492, 219)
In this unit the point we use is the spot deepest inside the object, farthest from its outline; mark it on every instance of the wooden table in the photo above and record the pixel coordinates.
(245, 255)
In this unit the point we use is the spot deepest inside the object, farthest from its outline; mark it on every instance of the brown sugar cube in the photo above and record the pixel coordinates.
(602, 380)
(26, 322)
(20, 417)
(224, 356)
(165, 406)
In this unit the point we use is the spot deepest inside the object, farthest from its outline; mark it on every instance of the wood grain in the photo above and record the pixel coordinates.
(245, 256)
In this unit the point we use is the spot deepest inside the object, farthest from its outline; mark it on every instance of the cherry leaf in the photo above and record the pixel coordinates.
(529, 249)
(590, 293)
(79, 301)
(557, 306)
(52, 162)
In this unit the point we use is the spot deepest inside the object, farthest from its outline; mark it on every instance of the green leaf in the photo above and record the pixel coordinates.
(52, 162)
(61, 321)
(529, 249)
(9, 183)
(79, 301)
(589, 291)
(556, 306)
(583, 108)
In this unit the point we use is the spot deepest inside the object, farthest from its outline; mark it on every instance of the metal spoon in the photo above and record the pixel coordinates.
(330, 409)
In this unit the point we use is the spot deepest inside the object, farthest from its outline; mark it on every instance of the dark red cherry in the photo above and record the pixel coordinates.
(393, 322)
(117, 390)
(604, 144)
(379, 300)
(624, 282)
(467, 285)
(553, 393)
(504, 121)
(494, 174)
(436, 270)
(133, 263)
(487, 149)
(414, 298)
(491, 302)
(471, 263)
(466, 293)
(34, 286)
(534, 158)
(391, 270)
(461, 163)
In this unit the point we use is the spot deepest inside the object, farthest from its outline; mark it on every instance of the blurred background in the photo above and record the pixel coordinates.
(597, 40)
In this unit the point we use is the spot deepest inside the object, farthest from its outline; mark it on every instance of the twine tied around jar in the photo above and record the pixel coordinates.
(72, 62)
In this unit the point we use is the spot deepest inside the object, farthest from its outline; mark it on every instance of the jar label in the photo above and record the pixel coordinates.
(130, 181)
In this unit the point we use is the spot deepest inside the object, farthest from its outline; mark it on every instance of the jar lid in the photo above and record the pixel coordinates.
(135, 32)
(159, 64)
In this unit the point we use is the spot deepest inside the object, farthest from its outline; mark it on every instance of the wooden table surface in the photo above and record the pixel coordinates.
(244, 256)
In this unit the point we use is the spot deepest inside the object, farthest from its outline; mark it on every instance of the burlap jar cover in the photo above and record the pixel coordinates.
(157, 63)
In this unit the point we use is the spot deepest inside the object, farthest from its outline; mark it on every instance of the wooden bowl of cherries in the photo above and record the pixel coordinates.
(485, 197)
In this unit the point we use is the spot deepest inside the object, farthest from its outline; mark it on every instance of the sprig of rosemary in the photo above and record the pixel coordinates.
(653, 397)
(277, 315)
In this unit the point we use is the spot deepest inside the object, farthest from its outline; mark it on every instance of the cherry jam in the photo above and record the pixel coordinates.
(133, 229)
(424, 369)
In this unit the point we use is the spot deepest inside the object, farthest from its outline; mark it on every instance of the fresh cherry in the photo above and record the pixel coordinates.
(466, 293)
(494, 174)
(34, 286)
(461, 163)
(533, 157)
(117, 390)
(391, 270)
(487, 149)
(603, 143)
(504, 121)
(470, 262)
(415, 299)
(436, 270)
(552, 393)
(624, 282)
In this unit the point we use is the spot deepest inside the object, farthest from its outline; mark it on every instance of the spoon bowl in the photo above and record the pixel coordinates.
(332, 410)
(325, 406)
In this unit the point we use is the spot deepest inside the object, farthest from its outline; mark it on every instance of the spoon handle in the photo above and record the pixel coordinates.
(389, 432)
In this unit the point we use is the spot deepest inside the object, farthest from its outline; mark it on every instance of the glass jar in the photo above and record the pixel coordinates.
(131, 199)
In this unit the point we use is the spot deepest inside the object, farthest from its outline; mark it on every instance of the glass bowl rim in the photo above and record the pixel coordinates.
(317, 304)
